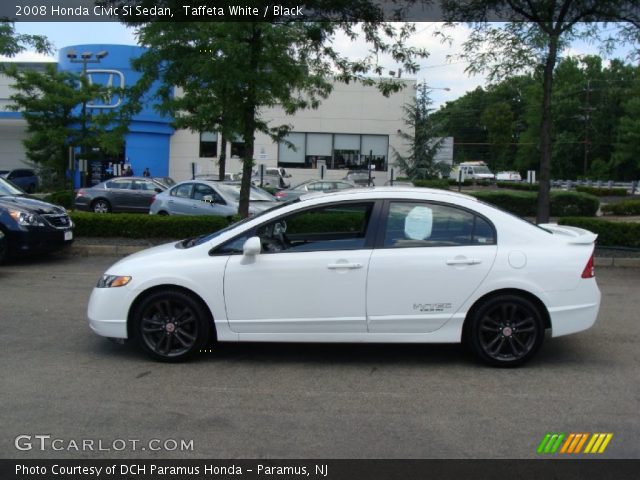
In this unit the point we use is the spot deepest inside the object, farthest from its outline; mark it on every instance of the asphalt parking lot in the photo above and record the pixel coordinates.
(302, 401)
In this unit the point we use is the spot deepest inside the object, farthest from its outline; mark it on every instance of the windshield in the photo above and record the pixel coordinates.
(255, 194)
(8, 188)
(482, 169)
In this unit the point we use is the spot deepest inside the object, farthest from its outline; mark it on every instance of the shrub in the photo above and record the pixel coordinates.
(465, 183)
(570, 204)
(610, 234)
(529, 187)
(135, 225)
(626, 207)
(63, 198)
(441, 184)
(524, 204)
(602, 192)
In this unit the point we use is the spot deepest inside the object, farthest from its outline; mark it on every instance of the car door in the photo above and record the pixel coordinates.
(216, 207)
(180, 201)
(121, 195)
(431, 258)
(144, 192)
(310, 276)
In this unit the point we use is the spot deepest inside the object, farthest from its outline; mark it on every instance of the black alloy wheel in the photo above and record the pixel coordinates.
(506, 331)
(171, 325)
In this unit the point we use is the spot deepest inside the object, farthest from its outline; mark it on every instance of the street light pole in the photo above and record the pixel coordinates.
(85, 59)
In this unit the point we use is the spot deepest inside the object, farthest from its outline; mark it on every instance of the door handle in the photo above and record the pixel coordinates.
(345, 265)
(464, 261)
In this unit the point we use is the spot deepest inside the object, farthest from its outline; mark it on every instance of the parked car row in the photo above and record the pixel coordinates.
(202, 196)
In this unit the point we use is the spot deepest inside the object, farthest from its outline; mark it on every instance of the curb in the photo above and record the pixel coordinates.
(124, 250)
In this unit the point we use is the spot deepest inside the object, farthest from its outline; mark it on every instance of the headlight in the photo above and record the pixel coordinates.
(108, 281)
(26, 219)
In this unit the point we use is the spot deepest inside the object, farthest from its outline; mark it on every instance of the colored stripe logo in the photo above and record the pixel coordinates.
(572, 443)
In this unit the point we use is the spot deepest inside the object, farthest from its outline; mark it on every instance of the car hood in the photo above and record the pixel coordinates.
(257, 207)
(30, 205)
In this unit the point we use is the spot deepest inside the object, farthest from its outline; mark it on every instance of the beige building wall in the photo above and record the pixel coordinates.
(350, 109)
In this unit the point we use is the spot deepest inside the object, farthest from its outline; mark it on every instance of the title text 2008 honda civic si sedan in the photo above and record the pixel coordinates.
(396, 265)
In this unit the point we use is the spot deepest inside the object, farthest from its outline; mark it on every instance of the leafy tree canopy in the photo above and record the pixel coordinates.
(228, 73)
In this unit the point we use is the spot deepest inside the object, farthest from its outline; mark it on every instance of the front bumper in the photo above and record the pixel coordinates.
(38, 240)
(108, 311)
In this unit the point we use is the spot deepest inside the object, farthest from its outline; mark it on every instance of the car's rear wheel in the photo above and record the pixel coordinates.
(101, 206)
(171, 325)
(505, 331)
(163, 213)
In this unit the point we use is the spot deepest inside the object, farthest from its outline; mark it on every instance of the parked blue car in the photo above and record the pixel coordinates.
(25, 178)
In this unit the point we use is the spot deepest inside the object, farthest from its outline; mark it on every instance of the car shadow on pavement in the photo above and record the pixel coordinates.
(310, 354)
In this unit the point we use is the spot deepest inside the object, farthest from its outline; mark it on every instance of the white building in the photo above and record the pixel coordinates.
(354, 123)
(355, 127)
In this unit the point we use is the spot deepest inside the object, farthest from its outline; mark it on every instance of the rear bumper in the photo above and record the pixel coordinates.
(576, 310)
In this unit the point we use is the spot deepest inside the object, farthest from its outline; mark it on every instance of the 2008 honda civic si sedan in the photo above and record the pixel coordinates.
(392, 265)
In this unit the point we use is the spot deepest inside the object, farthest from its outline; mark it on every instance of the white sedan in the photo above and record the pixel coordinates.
(392, 265)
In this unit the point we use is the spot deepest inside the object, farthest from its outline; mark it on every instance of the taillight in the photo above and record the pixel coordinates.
(153, 198)
(280, 195)
(80, 193)
(589, 271)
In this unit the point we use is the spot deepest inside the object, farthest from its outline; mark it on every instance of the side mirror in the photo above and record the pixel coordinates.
(252, 246)
(157, 190)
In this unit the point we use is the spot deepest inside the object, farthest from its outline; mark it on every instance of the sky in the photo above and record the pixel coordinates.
(436, 70)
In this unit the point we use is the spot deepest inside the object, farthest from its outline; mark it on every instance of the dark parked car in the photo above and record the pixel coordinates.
(121, 194)
(25, 178)
(30, 225)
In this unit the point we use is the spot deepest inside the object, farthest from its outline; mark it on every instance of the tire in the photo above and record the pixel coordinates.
(171, 325)
(4, 247)
(505, 331)
(101, 206)
(162, 213)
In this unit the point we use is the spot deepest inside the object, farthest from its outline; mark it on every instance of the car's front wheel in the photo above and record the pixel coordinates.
(101, 206)
(171, 325)
(505, 331)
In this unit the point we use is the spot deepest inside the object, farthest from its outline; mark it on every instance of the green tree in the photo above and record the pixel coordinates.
(50, 103)
(626, 157)
(421, 139)
(539, 32)
(499, 120)
(261, 65)
(12, 43)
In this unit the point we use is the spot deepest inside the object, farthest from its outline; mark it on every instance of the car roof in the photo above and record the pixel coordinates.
(378, 192)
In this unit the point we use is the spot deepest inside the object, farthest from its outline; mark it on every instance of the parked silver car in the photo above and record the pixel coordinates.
(120, 194)
(313, 186)
(208, 197)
